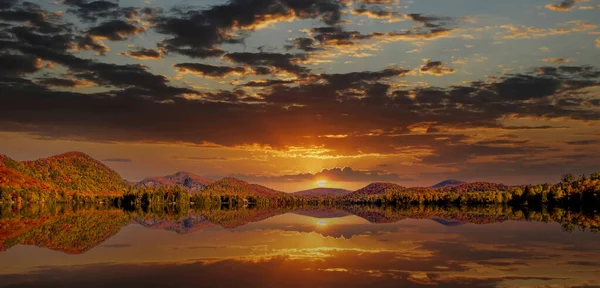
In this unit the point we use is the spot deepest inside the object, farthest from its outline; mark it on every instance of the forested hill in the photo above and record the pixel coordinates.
(187, 180)
(238, 187)
(56, 176)
(317, 192)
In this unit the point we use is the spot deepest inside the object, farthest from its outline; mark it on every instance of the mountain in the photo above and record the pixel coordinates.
(449, 182)
(189, 181)
(316, 192)
(233, 186)
(375, 189)
(69, 173)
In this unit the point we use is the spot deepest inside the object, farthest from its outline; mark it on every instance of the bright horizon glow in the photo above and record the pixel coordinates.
(321, 222)
(321, 183)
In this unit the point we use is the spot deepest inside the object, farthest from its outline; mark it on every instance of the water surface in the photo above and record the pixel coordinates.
(299, 247)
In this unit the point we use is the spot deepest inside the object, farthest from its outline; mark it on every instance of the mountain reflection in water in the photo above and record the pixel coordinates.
(351, 246)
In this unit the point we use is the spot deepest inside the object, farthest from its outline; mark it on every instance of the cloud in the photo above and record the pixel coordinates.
(436, 68)
(557, 60)
(285, 102)
(92, 10)
(115, 30)
(583, 142)
(194, 158)
(267, 63)
(144, 54)
(15, 65)
(209, 70)
(390, 16)
(120, 160)
(563, 6)
(196, 33)
(529, 32)
(65, 82)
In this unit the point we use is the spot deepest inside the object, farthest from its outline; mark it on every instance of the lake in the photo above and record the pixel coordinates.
(353, 246)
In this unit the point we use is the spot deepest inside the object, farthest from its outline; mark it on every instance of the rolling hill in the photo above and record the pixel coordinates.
(69, 173)
(449, 182)
(374, 189)
(317, 192)
(187, 180)
(233, 186)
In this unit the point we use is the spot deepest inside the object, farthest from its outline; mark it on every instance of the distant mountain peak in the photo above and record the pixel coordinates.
(449, 182)
(322, 191)
(187, 180)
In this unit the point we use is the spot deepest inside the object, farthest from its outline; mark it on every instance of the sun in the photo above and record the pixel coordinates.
(321, 183)
(321, 222)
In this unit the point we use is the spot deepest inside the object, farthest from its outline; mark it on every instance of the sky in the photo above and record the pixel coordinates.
(286, 93)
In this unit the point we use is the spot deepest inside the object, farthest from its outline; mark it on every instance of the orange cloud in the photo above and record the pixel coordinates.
(558, 60)
(563, 6)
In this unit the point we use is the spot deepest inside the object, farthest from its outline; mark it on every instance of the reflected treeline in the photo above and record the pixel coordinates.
(75, 229)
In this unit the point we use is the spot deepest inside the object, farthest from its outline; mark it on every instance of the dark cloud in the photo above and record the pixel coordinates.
(268, 83)
(15, 65)
(338, 103)
(272, 62)
(92, 11)
(116, 30)
(337, 36)
(379, 13)
(583, 142)
(303, 43)
(208, 70)
(429, 21)
(436, 68)
(62, 82)
(196, 33)
(565, 5)
(144, 54)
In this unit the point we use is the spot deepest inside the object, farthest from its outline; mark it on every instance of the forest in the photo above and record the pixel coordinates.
(78, 178)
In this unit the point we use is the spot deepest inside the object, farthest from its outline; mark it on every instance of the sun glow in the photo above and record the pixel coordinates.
(321, 183)
(321, 222)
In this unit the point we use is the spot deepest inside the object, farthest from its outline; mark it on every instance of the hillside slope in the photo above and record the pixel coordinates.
(447, 183)
(318, 192)
(232, 186)
(375, 189)
(68, 173)
(187, 180)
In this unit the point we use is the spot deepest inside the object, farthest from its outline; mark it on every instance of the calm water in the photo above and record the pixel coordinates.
(317, 247)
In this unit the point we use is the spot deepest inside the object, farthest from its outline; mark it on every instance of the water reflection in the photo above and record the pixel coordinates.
(355, 246)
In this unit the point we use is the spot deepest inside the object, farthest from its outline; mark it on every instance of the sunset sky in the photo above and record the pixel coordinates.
(287, 93)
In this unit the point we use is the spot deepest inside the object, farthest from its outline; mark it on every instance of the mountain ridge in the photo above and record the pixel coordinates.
(322, 191)
(190, 181)
(448, 182)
